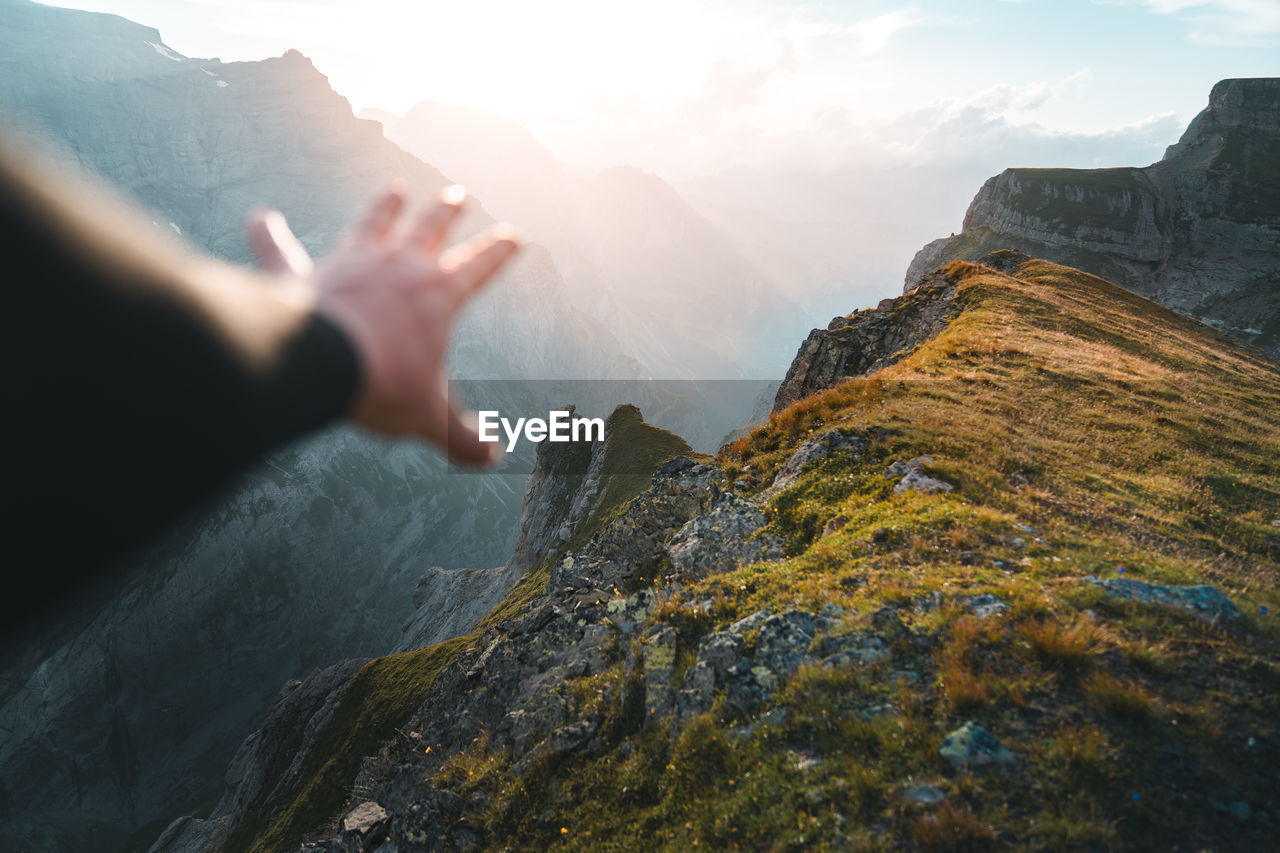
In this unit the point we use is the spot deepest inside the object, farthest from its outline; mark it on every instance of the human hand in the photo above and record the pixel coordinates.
(396, 293)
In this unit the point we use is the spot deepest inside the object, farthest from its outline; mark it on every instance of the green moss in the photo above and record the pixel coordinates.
(528, 589)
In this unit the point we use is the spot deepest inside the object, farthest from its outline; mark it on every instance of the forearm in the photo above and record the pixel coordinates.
(142, 375)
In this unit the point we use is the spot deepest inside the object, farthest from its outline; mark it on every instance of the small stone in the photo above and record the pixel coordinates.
(784, 642)
(831, 441)
(720, 652)
(914, 479)
(971, 747)
(884, 709)
(364, 818)
(750, 623)
(835, 525)
(923, 794)
(831, 611)
(1240, 810)
(985, 605)
(1207, 602)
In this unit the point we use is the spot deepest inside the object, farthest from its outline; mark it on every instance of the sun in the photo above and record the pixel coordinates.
(525, 60)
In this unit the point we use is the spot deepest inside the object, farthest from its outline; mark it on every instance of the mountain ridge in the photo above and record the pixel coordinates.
(865, 625)
(1198, 231)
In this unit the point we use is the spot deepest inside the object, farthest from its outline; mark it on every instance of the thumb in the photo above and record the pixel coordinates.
(278, 250)
(463, 439)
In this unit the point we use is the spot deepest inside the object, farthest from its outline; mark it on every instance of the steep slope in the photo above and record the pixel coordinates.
(1016, 587)
(1199, 231)
(123, 713)
(296, 769)
(635, 255)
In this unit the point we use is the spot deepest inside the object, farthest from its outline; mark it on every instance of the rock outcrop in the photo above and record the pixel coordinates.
(1198, 231)
(865, 341)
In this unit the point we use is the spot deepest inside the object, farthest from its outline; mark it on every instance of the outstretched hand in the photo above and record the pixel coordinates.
(396, 292)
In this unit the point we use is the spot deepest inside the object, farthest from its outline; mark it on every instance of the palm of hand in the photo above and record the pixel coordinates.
(397, 294)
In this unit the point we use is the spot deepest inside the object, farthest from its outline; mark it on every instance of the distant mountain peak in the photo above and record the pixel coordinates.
(1249, 103)
(1198, 231)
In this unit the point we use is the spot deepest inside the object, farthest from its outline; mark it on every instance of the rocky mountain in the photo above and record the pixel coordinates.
(1198, 231)
(123, 712)
(634, 254)
(1010, 582)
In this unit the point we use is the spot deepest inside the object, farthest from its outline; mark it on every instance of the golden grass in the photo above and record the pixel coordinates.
(1086, 430)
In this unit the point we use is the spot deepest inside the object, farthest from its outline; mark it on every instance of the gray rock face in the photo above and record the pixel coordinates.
(1207, 602)
(722, 540)
(561, 491)
(818, 447)
(866, 341)
(1199, 231)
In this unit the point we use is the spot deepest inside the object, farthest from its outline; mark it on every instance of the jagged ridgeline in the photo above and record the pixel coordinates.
(1198, 231)
(1015, 586)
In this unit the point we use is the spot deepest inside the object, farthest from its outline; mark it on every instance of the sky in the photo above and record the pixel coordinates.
(695, 87)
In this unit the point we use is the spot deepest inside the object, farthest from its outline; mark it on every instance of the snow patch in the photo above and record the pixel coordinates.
(207, 71)
(175, 227)
(222, 84)
(166, 52)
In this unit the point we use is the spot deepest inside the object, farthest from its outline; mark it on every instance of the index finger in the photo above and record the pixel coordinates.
(473, 264)
(382, 214)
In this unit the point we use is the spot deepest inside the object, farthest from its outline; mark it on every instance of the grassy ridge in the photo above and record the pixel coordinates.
(1088, 432)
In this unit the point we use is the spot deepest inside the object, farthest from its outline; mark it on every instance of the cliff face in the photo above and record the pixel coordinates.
(865, 341)
(1199, 231)
(984, 591)
(124, 712)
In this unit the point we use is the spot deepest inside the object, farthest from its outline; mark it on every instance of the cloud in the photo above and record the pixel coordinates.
(864, 37)
(874, 34)
(1244, 23)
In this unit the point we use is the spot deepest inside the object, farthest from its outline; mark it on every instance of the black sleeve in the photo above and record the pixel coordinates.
(140, 377)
